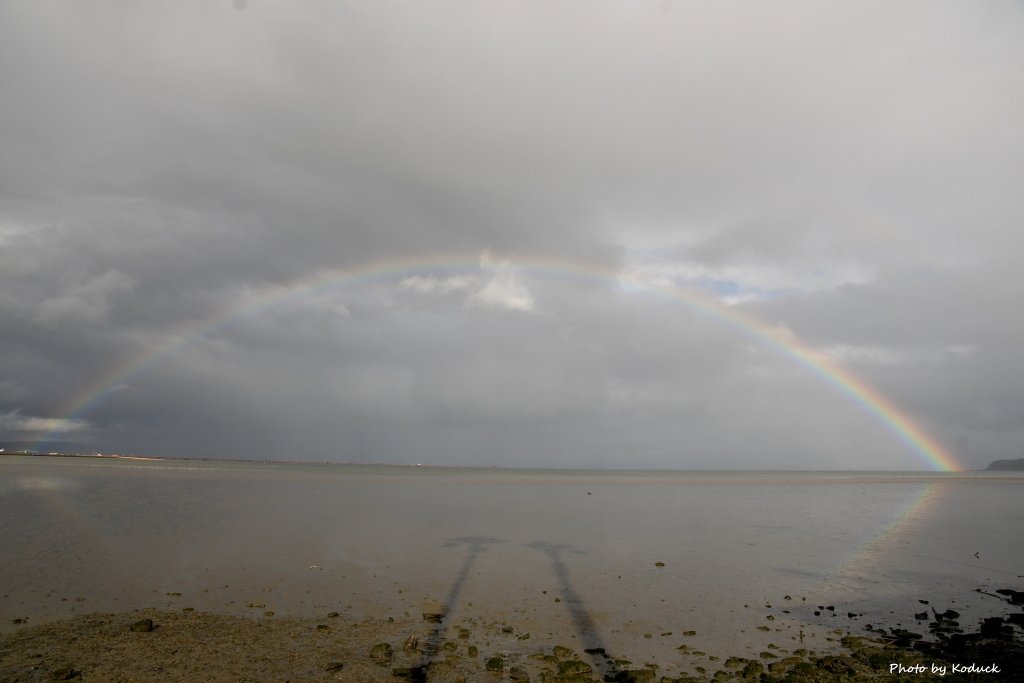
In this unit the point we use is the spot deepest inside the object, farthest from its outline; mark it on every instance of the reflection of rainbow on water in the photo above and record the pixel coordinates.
(850, 577)
(55, 496)
(879, 407)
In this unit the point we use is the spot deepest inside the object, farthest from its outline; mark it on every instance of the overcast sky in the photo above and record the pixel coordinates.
(852, 173)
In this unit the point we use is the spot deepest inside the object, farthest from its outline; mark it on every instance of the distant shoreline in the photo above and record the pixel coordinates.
(119, 456)
(112, 456)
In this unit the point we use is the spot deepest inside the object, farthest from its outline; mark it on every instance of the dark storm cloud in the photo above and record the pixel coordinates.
(849, 172)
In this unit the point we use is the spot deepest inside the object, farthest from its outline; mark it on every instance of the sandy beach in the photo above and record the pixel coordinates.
(151, 645)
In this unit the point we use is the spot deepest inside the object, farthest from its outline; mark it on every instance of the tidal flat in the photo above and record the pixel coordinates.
(274, 571)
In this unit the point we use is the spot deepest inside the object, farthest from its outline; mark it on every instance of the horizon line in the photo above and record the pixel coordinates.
(270, 461)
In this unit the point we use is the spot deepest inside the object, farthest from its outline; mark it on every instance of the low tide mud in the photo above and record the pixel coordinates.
(188, 645)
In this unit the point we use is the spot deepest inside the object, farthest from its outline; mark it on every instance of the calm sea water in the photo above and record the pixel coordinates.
(564, 555)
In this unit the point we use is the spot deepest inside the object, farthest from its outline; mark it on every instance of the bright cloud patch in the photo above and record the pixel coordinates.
(503, 287)
(441, 285)
(734, 284)
(14, 421)
(863, 354)
(497, 285)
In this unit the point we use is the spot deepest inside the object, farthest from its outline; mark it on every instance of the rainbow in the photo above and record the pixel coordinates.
(845, 581)
(781, 340)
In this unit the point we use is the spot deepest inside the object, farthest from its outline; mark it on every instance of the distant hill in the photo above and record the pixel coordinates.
(1004, 465)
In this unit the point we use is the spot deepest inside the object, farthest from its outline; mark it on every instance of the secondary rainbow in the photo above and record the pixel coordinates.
(927, 448)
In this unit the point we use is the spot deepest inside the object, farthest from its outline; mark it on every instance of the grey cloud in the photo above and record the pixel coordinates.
(88, 301)
(856, 166)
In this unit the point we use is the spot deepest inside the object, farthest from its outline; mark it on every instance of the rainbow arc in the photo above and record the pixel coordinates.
(873, 402)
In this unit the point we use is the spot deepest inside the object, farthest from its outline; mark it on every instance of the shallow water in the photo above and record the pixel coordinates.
(566, 556)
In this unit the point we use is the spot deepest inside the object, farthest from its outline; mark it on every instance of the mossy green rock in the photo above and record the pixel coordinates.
(803, 668)
(879, 660)
(561, 651)
(142, 626)
(495, 664)
(574, 666)
(752, 670)
(834, 664)
(382, 652)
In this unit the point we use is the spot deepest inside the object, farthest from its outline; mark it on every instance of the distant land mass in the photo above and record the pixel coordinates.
(1013, 465)
(48, 447)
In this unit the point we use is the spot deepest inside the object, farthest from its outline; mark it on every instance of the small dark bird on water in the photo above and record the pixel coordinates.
(976, 554)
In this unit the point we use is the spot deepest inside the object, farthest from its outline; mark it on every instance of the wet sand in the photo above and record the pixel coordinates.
(186, 645)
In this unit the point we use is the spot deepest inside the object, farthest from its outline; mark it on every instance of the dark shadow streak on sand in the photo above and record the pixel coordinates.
(477, 545)
(586, 629)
